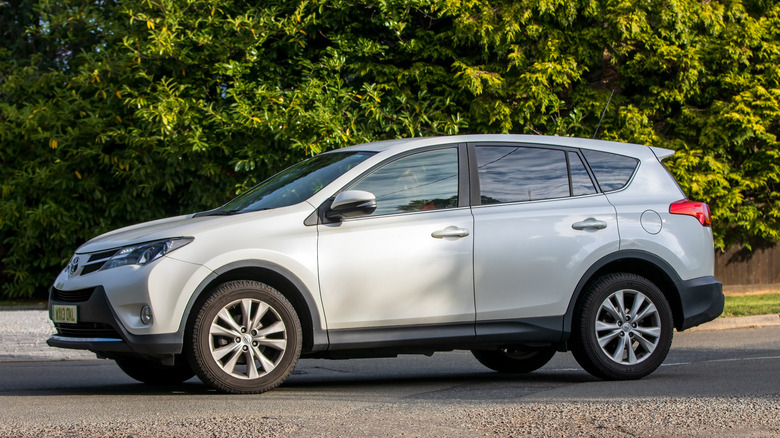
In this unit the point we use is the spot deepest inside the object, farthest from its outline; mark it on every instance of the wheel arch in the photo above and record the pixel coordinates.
(289, 285)
(636, 262)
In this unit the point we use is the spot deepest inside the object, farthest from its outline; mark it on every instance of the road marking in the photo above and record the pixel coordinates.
(722, 360)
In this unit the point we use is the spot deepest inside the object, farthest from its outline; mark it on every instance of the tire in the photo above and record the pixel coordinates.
(154, 373)
(245, 338)
(625, 341)
(514, 360)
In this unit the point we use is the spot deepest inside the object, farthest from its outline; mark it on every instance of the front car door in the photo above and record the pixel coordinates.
(404, 271)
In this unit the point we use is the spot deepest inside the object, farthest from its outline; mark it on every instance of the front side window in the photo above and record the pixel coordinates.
(515, 174)
(419, 182)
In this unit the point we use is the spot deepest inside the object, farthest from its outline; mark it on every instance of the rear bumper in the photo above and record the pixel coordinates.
(99, 331)
(701, 301)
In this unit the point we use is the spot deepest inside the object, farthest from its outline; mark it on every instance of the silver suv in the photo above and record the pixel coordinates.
(511, 246)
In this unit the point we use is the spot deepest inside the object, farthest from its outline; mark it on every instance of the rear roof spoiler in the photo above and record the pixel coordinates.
(661, 153)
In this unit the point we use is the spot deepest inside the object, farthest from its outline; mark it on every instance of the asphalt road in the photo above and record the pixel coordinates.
(721, 383)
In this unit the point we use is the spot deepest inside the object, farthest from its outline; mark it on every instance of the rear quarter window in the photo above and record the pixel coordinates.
(612, 171)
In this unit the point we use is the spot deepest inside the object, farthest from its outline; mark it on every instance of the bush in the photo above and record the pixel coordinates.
(113, 113)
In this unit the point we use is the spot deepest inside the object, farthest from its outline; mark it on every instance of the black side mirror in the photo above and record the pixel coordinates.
(351, 203)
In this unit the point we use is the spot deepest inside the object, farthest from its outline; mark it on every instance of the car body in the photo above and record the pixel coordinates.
(511, 246)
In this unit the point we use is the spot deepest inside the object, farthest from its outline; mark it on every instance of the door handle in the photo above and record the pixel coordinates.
(451, 231)
(589, 224)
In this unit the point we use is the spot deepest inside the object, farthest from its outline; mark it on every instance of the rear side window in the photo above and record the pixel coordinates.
(581, 184)
(612, 171)
(517, 174)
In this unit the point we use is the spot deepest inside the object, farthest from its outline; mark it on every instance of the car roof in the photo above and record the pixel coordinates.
(399, 145)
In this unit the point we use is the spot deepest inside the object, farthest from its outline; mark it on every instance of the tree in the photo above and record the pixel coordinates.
(113, 113)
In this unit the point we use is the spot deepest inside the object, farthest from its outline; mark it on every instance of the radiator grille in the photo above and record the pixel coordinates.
(97, 260)
(72, 296)
(87, 330)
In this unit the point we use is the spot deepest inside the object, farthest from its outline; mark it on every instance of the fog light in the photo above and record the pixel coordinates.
(146, 315)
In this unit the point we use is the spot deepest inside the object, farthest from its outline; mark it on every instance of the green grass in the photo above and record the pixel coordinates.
(749, 305)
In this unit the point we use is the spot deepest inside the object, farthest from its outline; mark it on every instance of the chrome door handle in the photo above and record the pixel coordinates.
(589, 223)
(451, 231)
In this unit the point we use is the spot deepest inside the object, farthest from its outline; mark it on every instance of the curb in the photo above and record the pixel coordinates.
(739, 322)
(28, 307)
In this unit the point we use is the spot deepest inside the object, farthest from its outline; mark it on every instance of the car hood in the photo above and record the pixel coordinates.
(179, 226)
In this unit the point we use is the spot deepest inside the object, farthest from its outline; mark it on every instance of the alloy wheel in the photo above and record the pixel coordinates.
(628, 327)
(247, 338)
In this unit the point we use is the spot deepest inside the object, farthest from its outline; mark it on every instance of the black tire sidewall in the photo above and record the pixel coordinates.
(199, 353)
(586, 348)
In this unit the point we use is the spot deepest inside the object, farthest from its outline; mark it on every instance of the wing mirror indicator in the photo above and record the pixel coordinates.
(351, 203)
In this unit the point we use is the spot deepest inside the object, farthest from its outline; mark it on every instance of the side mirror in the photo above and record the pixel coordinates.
(351, 203)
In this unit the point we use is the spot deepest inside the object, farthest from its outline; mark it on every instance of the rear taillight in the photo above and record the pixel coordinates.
(699, 210)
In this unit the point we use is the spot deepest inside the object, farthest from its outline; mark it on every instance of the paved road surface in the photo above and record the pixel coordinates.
(713, 383)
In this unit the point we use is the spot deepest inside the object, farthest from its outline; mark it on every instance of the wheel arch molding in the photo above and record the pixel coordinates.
(641, 263)
(281, 279)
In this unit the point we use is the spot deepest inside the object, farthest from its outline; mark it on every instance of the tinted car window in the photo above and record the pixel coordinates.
(581, 183)
(419, 182)
(612, 171)
(513, 174)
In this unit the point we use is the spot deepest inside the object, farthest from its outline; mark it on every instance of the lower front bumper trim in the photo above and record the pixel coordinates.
(149, 345)
(92, 344)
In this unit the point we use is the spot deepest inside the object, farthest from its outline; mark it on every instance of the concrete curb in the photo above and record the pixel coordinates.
(25, 307)
(739, 322)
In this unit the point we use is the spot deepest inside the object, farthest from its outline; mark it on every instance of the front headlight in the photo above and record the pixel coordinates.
(145, 252)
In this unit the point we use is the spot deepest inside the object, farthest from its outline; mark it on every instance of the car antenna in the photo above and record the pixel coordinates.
(603, 112)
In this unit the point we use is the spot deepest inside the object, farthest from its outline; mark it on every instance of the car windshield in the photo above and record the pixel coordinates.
(294, 184)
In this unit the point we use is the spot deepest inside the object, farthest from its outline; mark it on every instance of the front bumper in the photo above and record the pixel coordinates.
(701, 301)
(99, 331)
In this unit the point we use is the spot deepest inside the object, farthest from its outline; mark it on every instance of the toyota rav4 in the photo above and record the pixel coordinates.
(513, 247)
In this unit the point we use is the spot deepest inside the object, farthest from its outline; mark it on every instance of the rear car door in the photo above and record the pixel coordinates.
(539, 222)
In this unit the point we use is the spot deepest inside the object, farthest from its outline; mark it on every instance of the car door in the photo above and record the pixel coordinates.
(408, 264)
(539, 223)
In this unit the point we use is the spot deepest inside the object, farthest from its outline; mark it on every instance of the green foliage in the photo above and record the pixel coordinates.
(113, 113)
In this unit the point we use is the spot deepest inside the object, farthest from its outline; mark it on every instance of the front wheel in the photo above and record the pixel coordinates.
(245, 339)
(623, 327)
(514, 359)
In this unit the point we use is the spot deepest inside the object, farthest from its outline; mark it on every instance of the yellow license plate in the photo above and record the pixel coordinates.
(66, 314)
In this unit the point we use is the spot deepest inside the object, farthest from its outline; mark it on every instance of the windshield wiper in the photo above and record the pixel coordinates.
(216, 212)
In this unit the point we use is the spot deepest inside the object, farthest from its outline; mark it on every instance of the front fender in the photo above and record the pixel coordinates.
(260, 270)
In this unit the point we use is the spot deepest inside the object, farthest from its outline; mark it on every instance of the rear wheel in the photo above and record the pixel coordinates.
(623, 328)
(246, 338)
(152, 372)
(514, 359)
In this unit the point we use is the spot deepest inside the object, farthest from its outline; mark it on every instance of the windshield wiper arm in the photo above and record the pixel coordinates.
(216, 212)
